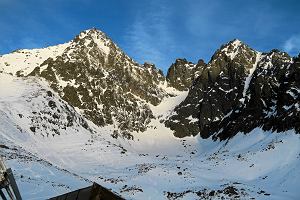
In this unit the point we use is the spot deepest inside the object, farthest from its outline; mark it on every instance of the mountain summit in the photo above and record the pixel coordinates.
(239, 90)
(97, 77)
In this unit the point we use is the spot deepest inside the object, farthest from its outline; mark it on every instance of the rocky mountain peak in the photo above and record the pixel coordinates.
(201, 62)
(108, 87)
(182, 73)
(92, 33)
(235, 51)
(95, 37)
(239, 90)
(233, 47)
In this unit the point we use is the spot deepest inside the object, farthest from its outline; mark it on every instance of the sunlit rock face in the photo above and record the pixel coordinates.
(95, 76)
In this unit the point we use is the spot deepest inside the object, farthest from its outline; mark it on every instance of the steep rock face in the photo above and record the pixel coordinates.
(272, 99)
(94, 75)
(215, 92)
(239, 90)
(182, 73)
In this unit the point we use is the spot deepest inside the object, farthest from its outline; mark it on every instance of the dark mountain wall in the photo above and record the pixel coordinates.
(240, 89)
(182, 73)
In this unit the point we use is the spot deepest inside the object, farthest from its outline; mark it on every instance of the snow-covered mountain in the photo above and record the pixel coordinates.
(92, 74)
(238, 90)
(85, 112)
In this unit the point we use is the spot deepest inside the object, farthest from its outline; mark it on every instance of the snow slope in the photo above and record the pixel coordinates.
(155, 165)
(251, 71)
(25, 60)
(35, 176)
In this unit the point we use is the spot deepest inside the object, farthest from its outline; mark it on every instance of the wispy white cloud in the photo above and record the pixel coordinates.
(292, 45)
(149, 37)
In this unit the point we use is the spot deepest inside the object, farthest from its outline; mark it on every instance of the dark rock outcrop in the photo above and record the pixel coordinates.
(239, 90)
(182, 73)
(215, 92)
(273, 99)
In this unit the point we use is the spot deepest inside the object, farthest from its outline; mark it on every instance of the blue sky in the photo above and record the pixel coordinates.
(157, 31)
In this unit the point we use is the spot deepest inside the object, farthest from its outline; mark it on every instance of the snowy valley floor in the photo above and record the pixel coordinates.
(155, 165)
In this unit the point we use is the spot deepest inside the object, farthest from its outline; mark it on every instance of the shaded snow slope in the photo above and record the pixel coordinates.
(37, 178)
(154, 165)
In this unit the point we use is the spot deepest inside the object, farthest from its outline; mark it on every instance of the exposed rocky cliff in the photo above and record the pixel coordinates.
(273, 99)
(240, 89)
(95, 76)
(182, 73)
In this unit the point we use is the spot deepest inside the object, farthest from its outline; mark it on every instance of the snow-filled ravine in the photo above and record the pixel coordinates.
(155, 165)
